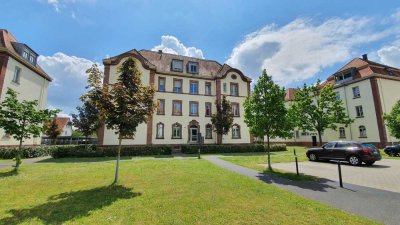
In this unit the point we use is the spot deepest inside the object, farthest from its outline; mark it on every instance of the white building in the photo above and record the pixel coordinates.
(186, 88)
(368, 90)
(20, 72)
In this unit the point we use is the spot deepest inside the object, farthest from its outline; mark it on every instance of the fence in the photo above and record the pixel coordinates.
(69, 141)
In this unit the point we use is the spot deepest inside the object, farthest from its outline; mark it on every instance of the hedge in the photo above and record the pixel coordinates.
(93, 151)
(27, 152)
(242, 148)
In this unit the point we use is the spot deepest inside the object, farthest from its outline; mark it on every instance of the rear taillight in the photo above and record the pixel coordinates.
(366, 151)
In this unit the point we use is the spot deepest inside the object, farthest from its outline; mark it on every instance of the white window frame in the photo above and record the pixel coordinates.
(17, 75)
(177, 65)
(356, 92)
(359, 111)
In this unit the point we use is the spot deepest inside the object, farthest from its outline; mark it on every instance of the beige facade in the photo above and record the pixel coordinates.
(369, 91)
(194, 92)
(20, 72)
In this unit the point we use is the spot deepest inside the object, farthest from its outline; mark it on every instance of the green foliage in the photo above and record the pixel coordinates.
(392, 120)
(22, 119)
(265, 112)
(76, 133)
(93, 151)
(26, 152)
(51, 129)
(318, 109)
(213, 149)
(223, 119)
(87, 121)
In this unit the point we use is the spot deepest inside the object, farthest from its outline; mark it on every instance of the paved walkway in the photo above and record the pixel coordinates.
(24, 161)
(384, 174)
(372, 203)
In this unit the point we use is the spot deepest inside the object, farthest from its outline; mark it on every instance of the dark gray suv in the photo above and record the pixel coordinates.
(353, 152)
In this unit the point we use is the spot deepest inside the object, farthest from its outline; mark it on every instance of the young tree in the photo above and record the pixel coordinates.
(223, 119)
(318, 109)
(88, 119)
(22, 119)
(127, 103)
(52, 129)
(392, 120)
(265, 112)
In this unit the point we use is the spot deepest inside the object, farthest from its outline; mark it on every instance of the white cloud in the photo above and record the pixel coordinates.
(69, 79)
(301, 49)
(171, 44)
(55, 4)
(390, 55)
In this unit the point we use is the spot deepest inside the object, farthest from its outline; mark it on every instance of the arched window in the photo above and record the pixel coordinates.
(363, 131)
(176, 131)
(235, 131)
(208, 131)
(342, 132)
(160, 131)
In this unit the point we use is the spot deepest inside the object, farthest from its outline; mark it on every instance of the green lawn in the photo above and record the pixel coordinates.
(254, 161)
(184, 191)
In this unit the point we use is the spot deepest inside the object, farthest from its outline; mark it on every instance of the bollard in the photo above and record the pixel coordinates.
(198, 153)
(297, 163)
(340, 174)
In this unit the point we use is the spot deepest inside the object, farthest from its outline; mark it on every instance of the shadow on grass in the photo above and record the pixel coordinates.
(12, 172)
(96, 159)
(70, 205)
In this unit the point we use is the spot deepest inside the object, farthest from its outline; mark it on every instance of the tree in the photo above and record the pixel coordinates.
(223, 119)
(22, 119)
(392, 120)
(52, 129)
(265, 112)
(318, 109)
(88, 119)
(126, 104)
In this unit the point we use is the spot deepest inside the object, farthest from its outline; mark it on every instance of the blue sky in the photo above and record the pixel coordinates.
(296, 41)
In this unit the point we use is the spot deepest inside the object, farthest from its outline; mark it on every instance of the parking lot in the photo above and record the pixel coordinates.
(384, 174)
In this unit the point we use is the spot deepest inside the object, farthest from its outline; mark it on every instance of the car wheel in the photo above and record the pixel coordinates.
(391, 153)
(312, 157)
(354, 160)
(370, 163)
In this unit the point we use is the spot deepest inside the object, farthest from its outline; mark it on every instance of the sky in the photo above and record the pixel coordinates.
(296, 42)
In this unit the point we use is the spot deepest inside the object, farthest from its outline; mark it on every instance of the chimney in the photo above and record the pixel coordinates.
(160, 51)
(365, 57)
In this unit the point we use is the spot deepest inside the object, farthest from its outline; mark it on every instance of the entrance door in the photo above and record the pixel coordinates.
(314, 140)
(193, 134)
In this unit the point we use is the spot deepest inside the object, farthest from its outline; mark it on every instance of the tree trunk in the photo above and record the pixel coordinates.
(118, 158)
(86, 139)
(18, 160)
(269, 153)
(320, 138)
(219, 139)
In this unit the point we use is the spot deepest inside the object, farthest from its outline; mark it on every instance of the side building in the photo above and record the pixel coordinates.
(186, 89)
(368, 90)
(19, 71)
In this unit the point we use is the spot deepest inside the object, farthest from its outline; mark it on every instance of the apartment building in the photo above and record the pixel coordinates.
(186, 89)
(19, 71)
(368, 90)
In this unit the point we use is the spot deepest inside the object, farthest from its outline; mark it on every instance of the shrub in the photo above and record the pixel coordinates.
(93, 151)
(278, 147)
(27, 152)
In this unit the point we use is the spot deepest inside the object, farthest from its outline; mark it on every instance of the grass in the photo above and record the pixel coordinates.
(254, 161)
(185, 191)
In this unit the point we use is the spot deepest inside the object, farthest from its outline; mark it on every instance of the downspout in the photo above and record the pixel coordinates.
(347, 110)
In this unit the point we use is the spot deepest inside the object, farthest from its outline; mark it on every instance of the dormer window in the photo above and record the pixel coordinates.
(177, 65)
(193, 67)
(25, 54)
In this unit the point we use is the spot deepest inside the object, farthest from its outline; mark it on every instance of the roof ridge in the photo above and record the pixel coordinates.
(210, 60)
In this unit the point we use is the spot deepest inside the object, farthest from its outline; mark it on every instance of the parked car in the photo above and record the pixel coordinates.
(392, 150)
(353, 152)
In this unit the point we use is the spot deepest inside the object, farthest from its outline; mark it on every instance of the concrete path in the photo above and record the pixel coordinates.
(372, 203)
(24, 161)
(384, 174)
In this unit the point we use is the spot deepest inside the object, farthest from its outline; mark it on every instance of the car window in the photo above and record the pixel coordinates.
(369, 146)
(329, 145)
